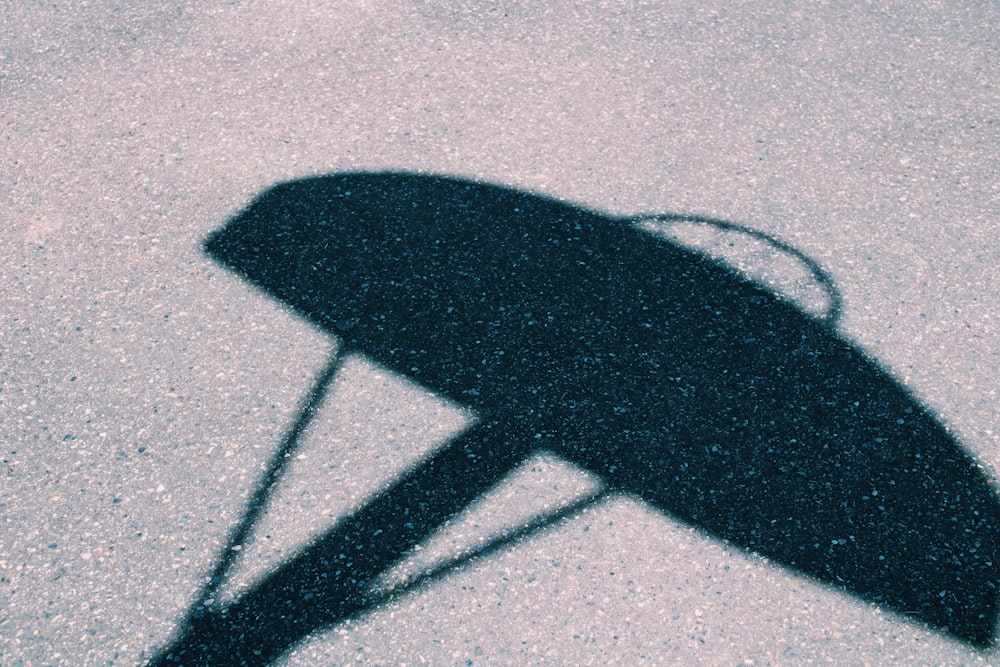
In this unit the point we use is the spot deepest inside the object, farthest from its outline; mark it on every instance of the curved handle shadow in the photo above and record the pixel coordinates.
(670, 376)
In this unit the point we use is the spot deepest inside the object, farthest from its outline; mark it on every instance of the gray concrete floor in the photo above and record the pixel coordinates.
(143, 387)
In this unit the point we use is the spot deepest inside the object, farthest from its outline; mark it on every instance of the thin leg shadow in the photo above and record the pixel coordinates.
(269, 480)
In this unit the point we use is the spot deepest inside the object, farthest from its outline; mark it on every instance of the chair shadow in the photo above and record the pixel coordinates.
(661, 370)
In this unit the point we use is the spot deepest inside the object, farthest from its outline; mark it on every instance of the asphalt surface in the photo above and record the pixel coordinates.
(145, 387)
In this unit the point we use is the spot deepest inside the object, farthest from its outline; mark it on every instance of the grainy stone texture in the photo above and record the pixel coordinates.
(143, 387)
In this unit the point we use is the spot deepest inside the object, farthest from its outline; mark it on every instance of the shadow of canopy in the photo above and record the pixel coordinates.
(663, 371)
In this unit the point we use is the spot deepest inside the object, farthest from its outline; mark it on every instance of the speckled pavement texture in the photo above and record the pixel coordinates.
(149, 380)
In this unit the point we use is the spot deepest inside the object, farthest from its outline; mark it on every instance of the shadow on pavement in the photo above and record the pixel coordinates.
(659, 369)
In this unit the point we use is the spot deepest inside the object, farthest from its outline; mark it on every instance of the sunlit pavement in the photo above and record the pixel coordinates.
(144, 388)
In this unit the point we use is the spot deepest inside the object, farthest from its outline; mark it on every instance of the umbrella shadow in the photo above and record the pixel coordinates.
(664, 372)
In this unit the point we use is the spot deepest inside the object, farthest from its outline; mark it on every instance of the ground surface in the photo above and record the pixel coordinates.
(143, 387)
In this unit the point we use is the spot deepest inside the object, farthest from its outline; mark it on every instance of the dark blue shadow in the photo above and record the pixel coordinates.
(664, 372)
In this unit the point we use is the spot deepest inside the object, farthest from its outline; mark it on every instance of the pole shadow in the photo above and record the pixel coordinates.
(673, 378)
